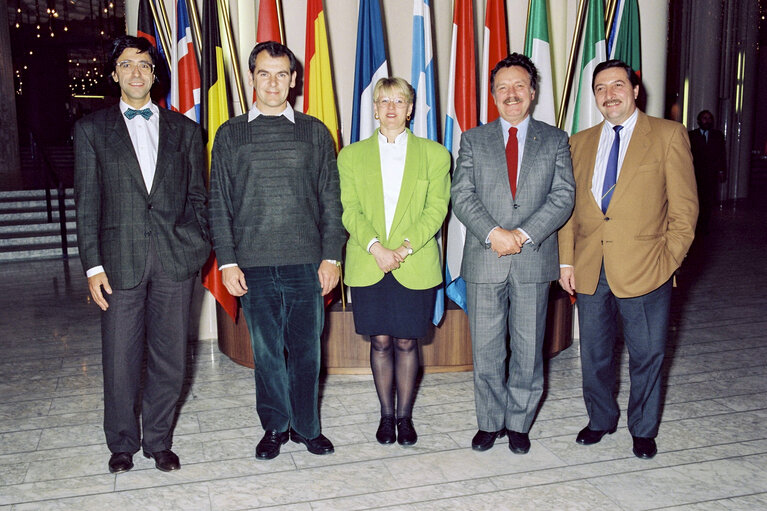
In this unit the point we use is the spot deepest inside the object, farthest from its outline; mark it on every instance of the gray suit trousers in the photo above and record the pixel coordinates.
(508, 383)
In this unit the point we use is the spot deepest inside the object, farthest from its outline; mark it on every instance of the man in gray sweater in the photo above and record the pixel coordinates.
(275, 215)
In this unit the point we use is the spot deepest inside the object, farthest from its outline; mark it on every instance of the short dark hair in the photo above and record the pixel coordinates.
(700, 114)
(607, 64)
(119, 45)
(516, 59)
(274, 49)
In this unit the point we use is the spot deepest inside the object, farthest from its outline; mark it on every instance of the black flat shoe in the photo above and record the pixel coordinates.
(120, 462)
(319, 445)
(644, 448)
(386, 433)
(484, 440)
(269, 446)
(406, 434)
(519, 443)
(588, 436)
(166, 460)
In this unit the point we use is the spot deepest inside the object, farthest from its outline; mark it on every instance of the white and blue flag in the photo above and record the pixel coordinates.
(370, 66)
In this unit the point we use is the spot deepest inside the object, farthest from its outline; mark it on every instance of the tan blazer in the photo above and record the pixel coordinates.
(650, 223)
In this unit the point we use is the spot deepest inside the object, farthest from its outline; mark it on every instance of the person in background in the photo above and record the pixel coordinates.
(709, 157)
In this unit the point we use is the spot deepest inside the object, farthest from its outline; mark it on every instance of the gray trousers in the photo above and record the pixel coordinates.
(153, 316)
(516, 311)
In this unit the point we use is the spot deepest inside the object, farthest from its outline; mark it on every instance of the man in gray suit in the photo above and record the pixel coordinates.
(142, 232)
(512, 189)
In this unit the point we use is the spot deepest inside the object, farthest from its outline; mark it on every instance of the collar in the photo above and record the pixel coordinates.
(398, 141)
(628, 124)
(288, 113)
(521, 127)
(151, 106)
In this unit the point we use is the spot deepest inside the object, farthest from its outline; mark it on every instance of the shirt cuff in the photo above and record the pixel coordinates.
(529, 239)
(487, 239)
(230, 265)
(94, 271)
(372, 242)
(566, 266)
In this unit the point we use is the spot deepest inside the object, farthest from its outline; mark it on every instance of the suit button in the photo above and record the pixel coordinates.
(607, 219)
(149, 207)
(147, 233)
(516, 206)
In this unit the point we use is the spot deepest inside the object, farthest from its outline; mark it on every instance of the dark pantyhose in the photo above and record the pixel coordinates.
(393, 359)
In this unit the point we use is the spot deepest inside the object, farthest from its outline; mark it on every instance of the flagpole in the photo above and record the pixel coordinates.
(163, 30)
(232, 53)
(191, 5)
(278, 5)
(611, 9)
(571, 63)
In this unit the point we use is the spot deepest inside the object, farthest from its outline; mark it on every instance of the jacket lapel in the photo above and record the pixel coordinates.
(532, 145)
(588, 159)
(409, 178)
(168, 135)
(638, 146)
(118, 140)
(374, 183)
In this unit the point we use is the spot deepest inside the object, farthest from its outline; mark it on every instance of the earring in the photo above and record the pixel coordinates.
(376, 116)
(408, 117)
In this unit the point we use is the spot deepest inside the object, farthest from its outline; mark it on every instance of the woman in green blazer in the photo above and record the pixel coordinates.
(395, 189)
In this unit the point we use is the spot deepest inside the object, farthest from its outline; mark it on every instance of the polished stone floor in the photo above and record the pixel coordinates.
(712, 443)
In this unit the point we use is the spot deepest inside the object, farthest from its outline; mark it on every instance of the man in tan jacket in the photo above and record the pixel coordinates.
(634, 220)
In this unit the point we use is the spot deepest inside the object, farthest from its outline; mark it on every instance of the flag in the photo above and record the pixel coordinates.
(538, 49)
(269, 27)
(215, 111)
(319, 94)
(461, 116)
(583, 112)
(147, 29)
(623, 43)
(185, 72)
(424, 122)
(494, 48)
(369, 67)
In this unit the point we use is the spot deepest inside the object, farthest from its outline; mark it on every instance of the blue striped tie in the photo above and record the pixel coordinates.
(611, 173)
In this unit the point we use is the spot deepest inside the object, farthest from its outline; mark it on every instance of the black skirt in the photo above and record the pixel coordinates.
(389, 308)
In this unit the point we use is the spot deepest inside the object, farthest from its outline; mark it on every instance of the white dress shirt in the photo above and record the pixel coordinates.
(603, 152)
(392, 169)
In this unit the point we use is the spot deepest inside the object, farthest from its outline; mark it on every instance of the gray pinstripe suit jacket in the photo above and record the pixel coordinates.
(482, 199)
(116, 215)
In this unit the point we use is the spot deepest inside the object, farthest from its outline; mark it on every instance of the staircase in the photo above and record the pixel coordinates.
(25, 230)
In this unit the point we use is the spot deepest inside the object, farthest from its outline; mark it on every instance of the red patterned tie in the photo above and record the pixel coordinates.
(512, 151)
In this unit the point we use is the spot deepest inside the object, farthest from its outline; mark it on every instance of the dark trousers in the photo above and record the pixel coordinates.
(645, 329)
(154, 316)
(284, 312)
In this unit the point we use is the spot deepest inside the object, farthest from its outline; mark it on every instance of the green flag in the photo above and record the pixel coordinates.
(538, 49)
(623, 43)
(583, 112)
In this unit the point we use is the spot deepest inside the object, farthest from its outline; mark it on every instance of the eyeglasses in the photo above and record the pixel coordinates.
(397, 102)
(143, 66)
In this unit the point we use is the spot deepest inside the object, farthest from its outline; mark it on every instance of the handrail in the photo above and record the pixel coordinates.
(50, 177)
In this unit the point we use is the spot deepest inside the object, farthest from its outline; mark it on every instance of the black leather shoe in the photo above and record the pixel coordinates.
(519, 443)
(406, 434)
(269, 446)
(484, 440)
(120, 462)
(588, 436)
(318, 445)
(644, 448)
(386, 433)
(166, 460)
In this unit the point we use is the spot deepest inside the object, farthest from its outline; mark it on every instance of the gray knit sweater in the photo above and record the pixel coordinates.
(274, 194)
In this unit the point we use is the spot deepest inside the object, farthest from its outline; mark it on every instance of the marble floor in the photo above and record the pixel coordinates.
(712, 442)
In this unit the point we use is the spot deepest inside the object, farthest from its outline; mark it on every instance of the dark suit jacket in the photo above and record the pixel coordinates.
(709, 158)
(116, 216)
(482, 199)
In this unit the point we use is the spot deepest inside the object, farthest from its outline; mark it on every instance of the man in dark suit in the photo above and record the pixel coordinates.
(633, 222)
(512, 189)
(142, 233)
(710, 160)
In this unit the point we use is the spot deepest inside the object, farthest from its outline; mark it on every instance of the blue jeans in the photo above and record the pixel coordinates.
(285, 315)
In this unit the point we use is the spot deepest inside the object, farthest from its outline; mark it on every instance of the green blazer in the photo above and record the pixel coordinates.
(421, 209)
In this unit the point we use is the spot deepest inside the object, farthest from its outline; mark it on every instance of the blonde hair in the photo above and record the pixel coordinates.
(396, 85)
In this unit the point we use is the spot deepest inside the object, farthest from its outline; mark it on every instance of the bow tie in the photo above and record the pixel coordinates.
(145, 113)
